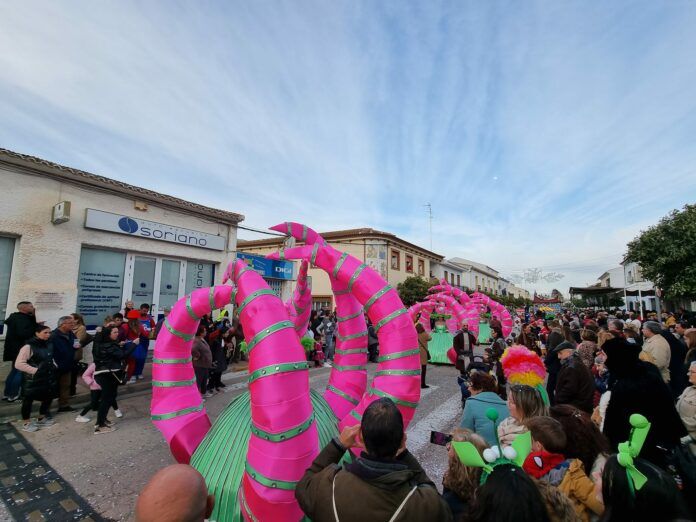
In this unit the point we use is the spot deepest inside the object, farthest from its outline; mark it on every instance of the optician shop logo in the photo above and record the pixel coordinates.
(128, 225)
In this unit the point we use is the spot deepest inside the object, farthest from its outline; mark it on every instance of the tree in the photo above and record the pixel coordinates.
(666, 253)
(413, 290)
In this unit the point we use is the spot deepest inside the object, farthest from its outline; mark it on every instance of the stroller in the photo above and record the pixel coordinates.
(476, 363)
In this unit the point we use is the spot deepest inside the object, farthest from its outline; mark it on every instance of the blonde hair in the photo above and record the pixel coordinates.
(603, 337)
(460, 479)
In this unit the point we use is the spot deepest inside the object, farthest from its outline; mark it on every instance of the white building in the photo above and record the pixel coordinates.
(640, 294)
(74, 241)
(454, 274)
(613, 278)
(478, 277)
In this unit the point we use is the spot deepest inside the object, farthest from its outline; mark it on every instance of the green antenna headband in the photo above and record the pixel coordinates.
(630, 450)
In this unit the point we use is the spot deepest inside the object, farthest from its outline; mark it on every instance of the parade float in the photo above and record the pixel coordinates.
(261, 444)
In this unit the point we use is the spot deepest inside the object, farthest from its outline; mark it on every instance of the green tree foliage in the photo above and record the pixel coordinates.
(413, 290)
(666, 253)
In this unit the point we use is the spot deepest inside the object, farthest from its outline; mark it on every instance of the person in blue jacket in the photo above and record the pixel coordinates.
(483, 397)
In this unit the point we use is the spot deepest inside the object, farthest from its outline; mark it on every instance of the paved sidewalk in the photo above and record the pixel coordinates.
(10, 411)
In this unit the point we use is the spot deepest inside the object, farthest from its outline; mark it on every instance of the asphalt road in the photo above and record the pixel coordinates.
(109, 470)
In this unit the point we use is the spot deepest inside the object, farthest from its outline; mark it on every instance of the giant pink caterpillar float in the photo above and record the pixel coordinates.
(261, 444)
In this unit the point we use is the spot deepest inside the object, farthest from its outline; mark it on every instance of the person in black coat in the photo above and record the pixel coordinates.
(637, 387)
(19, 328)
(109, 356)
(575, 384)
(677, 369)
(553, 365)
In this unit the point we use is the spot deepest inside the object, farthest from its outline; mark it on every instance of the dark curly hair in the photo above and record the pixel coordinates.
(584, 440)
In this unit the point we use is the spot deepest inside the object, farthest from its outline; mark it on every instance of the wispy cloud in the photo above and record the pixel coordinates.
(544, 134)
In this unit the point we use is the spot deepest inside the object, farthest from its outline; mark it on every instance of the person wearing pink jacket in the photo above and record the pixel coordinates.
(95, 396)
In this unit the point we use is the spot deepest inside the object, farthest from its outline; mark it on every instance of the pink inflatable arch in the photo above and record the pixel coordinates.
(299, 307)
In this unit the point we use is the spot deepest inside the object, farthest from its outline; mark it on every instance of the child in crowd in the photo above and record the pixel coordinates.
(94, 396)
(547, 462)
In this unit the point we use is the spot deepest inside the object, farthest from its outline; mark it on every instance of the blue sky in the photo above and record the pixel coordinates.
(544, 134)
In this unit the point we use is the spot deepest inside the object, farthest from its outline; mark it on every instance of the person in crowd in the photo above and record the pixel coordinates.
(117, 319)
(372, 341)
(616, 327)
(385, 483)
(20, 326)
(509, 495)
(553, 365)
(636, 386)
(686, 406)
(632, 319)
(460, 482)
(670, 320)
(584, 441)
(39, 379)
(140, 354)
(423, 338)
(110, 356)
(177, 493)
(202, 361)
(165, 313)
(690, 339)
(94, 396)
(327, 328)
(677, 368)
(129, 306)
(524, 403)
(575, 384)
(482, 388)
(463, 343)
(529, 339)
(314, 322)
(218, 352)
(632, 335)
(547, 462)
(587, 349)
(65, 344)
(659, 499)
(568, 333)
(80, 331)
(656, 349)
(680, 329)
(237, 331)
(131, 332)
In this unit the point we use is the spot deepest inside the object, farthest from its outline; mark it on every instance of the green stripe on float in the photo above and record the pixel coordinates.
(382, 373)
(356, 415)
(284, 435)
(377, 295)
(397, 355)
(174, 331)
(254, 295)
(275, 369)
(355, 276)
(173, 384)
(282, 325)
(313, 257)
(380, 393)
(185, 360)
(349, 317)
(354, 368)
(350, 352)
(269, 482)
(177, 413)
(189, 309)
(304, 233)
(343, 394)
(351, 336)
(211, 298)
(388, 318)
(343, 257)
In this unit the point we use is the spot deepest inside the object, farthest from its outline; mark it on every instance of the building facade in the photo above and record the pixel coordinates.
(454, 274)
(479, 277)
(71, 241)
(393, 258)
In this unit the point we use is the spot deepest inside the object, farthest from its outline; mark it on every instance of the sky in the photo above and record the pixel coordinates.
(543, 134)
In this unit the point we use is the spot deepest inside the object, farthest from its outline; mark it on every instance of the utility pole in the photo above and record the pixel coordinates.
(429, 208)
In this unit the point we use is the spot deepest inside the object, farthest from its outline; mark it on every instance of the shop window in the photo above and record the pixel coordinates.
(99, 284)
(321, 303)
(421, 267)
(143, 290)
(276, 285)
(170, 274)
(7, 246)
(395, 260)
(198, 275)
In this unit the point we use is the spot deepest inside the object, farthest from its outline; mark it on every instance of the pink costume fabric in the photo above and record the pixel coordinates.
(398, 369)
(348, 379)
(177, 408)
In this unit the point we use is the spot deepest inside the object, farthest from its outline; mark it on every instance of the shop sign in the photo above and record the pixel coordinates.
(131, 226)
(269, 268)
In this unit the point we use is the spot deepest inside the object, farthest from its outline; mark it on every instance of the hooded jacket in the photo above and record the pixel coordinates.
(368, 490)
(20, 328)
(575, 384)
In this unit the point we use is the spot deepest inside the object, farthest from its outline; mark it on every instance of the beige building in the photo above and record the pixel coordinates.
(394, 258)
(75, 241)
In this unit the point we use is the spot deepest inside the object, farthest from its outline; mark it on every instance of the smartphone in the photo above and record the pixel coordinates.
(439, 438)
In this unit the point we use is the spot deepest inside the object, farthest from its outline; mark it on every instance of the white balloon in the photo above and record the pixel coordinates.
(489, 455)
(509, 453)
